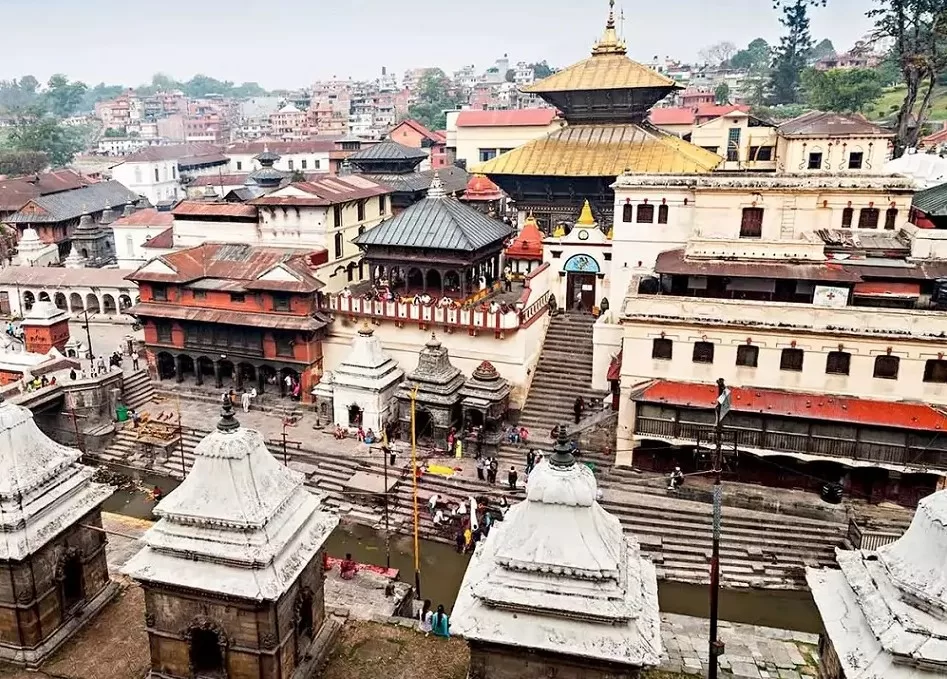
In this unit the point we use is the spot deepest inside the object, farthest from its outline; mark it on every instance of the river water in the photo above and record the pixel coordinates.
(442, 570)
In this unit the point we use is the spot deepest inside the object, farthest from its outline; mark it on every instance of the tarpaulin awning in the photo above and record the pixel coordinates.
(887, 290)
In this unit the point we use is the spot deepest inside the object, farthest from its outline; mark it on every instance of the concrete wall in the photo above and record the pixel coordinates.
(490, 661)
(714, 135)
(470, 140)
(793, 154)
(304, 162)
(156, 181)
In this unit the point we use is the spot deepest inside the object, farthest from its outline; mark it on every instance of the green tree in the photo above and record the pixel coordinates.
(541, 69)
(15, 163)
(842, 90)
(100, 92)
(825, 48)
(792, 52)
(113, 132)
(298, 176)
(754, 58)
(64, 97)
(722, 93)
(510, 75)
(435, 97)
(44, 134)
(247, 90)
(29, 84)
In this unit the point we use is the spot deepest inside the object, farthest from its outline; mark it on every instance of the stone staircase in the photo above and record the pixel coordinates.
(137, 389)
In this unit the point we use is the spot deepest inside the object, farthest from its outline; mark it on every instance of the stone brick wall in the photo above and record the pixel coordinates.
(488, 661)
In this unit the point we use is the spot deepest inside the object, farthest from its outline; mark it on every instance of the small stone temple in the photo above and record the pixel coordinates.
(31, 251)
(364, 384)
(45, 326)
(885, 611)
(94, 241)
(232, 572)
(53, 573)
(437, 404)
(558, 589)
(485, 399)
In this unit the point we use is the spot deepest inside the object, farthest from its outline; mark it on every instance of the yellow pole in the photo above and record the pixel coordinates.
(414, 480)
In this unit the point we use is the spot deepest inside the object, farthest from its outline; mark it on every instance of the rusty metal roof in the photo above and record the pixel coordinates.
(674, 262)
(270, 320)
(327, 191)
(897, 414)
(193, 208)
(603, 151)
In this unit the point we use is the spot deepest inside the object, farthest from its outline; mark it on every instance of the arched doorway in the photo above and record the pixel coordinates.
(474, 418)
(165, 365)
(355, 415)
(423, 425)
(433, 281)
(226, 372)
(28, 300)
(206, 651)
(305, 624)
(247, 375)
(124, 302)
(581, 277)
(452, 282)
(267, 378)
(92, 304)
(286, 385)
(108, 304)
(71, 583)
(60, 301)
(415, 279)
(185, 366)
(75, 302)
(44, 296)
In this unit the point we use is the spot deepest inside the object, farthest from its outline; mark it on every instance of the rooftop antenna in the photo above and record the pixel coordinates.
(621, 24)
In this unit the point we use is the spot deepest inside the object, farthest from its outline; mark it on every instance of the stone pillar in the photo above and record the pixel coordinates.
(198, 376)
(260, 380)
(238, 377)
(443, 273)
(178, 368)
(218, 382)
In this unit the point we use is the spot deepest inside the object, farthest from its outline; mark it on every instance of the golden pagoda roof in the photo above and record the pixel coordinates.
(607, 69)
(603, 151)
(586, 220)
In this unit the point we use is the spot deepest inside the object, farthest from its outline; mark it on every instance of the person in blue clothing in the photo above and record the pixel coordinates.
(440, 623)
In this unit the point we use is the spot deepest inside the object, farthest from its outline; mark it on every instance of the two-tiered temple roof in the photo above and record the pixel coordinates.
(43, 488)
(559, 575)
(240, 524)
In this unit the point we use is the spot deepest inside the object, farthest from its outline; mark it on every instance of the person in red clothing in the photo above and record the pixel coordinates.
(348, 568)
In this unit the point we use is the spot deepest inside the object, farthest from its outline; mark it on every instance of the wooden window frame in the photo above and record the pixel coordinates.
(883, 367)
(748, 356)
(792, 360)
(657, 349)
(838, 363)
(703, 353)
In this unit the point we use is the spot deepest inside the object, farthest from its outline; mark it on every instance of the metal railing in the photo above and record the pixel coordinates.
(866, 538)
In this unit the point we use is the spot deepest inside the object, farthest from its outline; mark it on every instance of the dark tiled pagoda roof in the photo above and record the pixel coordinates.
(438, 222)
(65, 205)
(453, 178)
(388, 150)
(437, 380)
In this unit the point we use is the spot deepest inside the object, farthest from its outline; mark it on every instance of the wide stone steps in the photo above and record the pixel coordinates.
(137, 389)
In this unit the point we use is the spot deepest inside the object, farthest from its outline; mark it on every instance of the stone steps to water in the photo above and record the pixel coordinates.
(137, 389)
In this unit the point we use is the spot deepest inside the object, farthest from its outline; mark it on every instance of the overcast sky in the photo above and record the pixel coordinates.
(291, 43)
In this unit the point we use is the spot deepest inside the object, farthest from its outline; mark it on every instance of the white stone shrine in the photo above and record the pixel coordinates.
(885, 611)
(364, 384)
(31, 251)
(558, 583)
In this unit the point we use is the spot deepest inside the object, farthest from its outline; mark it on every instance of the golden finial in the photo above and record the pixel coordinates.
(611, 233)
(610, 43)
(559, 231)
(586, 220)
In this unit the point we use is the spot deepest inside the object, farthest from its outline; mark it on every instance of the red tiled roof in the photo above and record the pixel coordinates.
(481, 188)
(194, 208)
(327, 191)
(283, 147)
(719, 110)
(219, 180)
(171, 152)
(799, 404)
(16, 192)
(228, 316)
(671, 116)
(233, 262)
(528, 243)
(539, 117)
(164, 240)
(936, 137)
(147, 217)
(420, 129)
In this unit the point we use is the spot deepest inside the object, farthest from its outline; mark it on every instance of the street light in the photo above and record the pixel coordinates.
(721, 409)
(88, 334)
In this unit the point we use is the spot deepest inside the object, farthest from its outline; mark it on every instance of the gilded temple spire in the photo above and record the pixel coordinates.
(610, 43)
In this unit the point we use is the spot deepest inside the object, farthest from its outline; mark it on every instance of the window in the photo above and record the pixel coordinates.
(662, 214)
(935, 370)
(847, 215)
(487, 154)
(381, 205)
(791, 359)
(239, 165)
(174, 172)
(284, 344)
(703, 352)
(350, 272)
(868, 218)
(627, 213)
(238, 297)
(645, 214)
(502, 151)
(886, 367)
(164, 331)
(662, 349)
(733, 144)
(855, 160)
(891, 217)
(289, 164)
(838, 363)
(157, 176)
(200, 294)
(815, 160)
(360, 208)
(280, 302)
(159, 293)
(762, 154)
(752, 224)
(748, 356)
(304, 163)
(316, 164)
(137, 174)
(338, 246)
(337, 216)
(130, 245)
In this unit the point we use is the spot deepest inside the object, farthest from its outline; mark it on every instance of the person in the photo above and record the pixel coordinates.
(459, 541)
(480, 438)
(475, 536)
(288, 383)
(513, 435)
(135, 418)
(245, 400)
(530, 461)
(72, 374)
(439, 518)
(348, 568)
(481, 463)
(524, 435)
(100, 365)
(425, 616)
(297, 390)
(44, 381)
(440, 623)
(468, 537)
(676, 479)
(339, 431)
(360, 434)
(504, 506)
(493, 469)
(157, 494)
(460, 509)
(451, 438)
(135, 360)
(511, 478)
(432, 502)
(459, 448)
(370, 436)
(577, 408)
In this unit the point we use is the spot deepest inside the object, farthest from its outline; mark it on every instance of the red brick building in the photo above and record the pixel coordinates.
(243, 316)
(412, 133)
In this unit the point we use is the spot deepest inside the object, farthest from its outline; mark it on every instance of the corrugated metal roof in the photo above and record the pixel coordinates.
(441, 223)
(453, 178)
(799, 404)
(328, 191)
(602, 72)
(57, 277)
(388, 150)
(16, 191)
(228, 316)
(674, 262)
(819, 124)
(932, 201)
(192, 208)
(603, 151)
(145, 218)
(65, 205)
(887, 290)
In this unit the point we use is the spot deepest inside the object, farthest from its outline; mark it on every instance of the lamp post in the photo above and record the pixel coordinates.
(88, 334)
(720, 410)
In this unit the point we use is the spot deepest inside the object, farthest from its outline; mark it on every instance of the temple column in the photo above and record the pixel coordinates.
(198, 376)
(443, 275)
(238, 377)
(260, 380)
(218, 381)
(179, 368)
